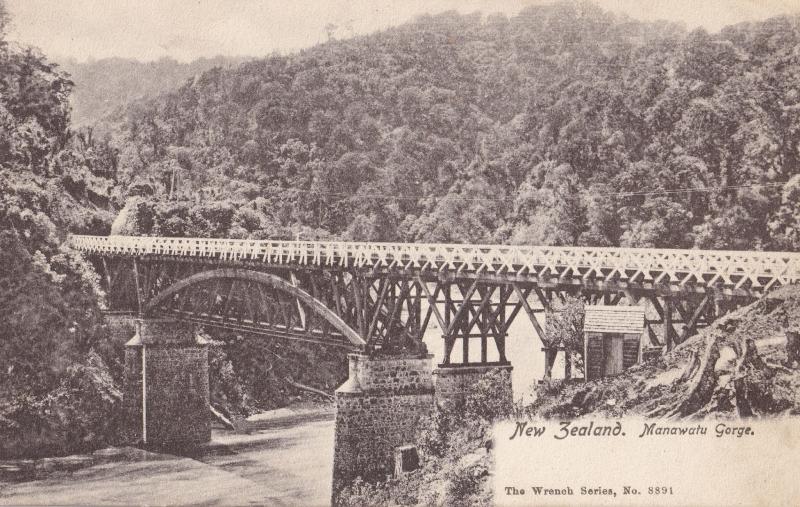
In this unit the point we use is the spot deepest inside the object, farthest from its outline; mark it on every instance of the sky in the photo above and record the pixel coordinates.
(189, 29)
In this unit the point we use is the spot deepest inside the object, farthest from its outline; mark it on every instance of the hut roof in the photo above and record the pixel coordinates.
(614, 319)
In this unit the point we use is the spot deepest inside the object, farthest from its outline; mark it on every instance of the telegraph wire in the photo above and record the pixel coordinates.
(457, 197)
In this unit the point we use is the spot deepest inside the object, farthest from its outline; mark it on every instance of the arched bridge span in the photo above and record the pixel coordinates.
(252, 301)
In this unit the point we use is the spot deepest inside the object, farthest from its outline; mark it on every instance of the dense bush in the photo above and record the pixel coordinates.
(79, 415)
(465, 483)
(56, 394)
(483, 404)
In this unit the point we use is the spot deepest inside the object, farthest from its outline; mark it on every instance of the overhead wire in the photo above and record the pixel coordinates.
(417, 197)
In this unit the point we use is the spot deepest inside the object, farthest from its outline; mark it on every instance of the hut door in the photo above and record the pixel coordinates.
(613, 354)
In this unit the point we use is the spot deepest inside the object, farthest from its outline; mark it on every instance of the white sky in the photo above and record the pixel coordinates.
(188, 29)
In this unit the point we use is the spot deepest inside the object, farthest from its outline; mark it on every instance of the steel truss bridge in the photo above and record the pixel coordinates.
(380, 297)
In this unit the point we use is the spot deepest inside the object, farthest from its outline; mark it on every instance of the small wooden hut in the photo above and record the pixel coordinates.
(612, 339)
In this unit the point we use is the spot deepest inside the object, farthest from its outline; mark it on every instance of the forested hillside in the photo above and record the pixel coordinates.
(104, 87)
(564, 125)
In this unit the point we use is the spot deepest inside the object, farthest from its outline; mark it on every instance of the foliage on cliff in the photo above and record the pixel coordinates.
(78, 415)
(562, 125)
(54, 393)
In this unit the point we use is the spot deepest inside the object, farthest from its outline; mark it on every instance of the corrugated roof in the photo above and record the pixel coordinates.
(614, 319)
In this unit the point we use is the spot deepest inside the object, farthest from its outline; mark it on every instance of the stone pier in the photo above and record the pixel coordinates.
(378, 410)
(454, 381)
(120, 326)
(167, 404)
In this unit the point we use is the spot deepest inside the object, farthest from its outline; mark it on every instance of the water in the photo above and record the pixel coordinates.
(288, 461)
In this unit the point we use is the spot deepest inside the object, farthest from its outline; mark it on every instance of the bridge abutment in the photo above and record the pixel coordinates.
(378, 409)
(453, 382)
(166, 392)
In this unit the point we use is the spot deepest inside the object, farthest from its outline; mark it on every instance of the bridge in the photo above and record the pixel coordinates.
(370, 296)
(376, 300)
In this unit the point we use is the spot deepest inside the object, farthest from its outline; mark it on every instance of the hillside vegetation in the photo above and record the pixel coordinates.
(563, 125)
(57, 394)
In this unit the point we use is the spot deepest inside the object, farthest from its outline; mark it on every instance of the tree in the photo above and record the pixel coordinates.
(564, 328)
(469, 213)
(553, 214)
(785, 224)
(50, 316)
(658, 223)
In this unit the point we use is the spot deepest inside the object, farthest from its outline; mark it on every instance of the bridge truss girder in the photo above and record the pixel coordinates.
(390, 309)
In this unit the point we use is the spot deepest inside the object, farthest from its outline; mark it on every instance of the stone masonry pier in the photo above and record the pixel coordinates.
(165, 391)
(378, 411)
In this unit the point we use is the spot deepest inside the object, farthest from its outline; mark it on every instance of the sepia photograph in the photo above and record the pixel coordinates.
(399, 252)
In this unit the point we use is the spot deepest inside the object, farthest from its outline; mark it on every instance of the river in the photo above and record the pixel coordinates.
(285, 459)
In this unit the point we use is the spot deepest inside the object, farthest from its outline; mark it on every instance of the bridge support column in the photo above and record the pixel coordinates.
(165, 391)
(378, 409)
(453, 382)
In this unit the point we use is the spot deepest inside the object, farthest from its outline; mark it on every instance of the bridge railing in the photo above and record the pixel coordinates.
(706, 267)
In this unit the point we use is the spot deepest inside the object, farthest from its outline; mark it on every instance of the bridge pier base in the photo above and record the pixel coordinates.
(165, 388)
(454, 381)
(378, 410)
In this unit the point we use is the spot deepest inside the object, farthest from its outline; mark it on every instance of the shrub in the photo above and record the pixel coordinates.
(482, 401)
(564, 326)
(465, 482)
(362, 494)
(434, 434)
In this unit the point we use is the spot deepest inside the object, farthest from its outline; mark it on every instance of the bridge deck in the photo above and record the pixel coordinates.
(731, 270)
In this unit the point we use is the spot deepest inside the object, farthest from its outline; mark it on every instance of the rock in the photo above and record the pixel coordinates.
(110, 454)
(470, 460)
(74, 462)
(17, 469)
(63, 463)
